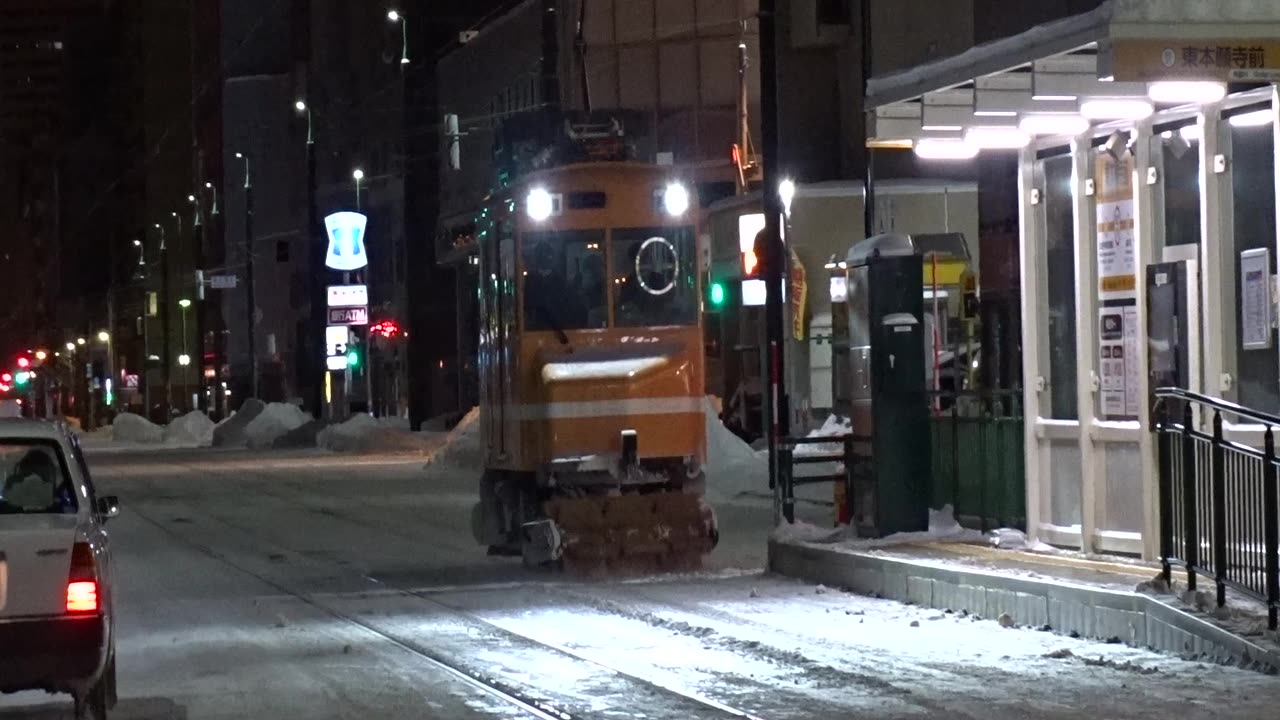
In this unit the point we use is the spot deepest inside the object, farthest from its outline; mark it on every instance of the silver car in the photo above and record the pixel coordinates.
(56, 621)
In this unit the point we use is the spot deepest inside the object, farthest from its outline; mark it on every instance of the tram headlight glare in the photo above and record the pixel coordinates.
(675, 199)
(538, 204)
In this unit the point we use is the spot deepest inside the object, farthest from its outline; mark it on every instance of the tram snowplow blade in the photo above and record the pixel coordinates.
(628, 534)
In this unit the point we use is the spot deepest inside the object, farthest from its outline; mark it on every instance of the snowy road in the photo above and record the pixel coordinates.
(313, 586)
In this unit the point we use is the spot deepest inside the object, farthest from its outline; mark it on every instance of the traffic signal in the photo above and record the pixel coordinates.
(23, 362)
(22, 378)
(717, 294)
(750, 265)
(6, 378)
(353, 358)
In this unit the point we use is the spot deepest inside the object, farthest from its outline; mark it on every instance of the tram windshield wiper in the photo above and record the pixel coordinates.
(554, 323)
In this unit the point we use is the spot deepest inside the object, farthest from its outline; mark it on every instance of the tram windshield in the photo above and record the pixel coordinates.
(654, 277)
(568, 273)
(564, 284)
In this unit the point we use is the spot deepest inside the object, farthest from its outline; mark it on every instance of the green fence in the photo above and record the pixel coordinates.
(978, 458)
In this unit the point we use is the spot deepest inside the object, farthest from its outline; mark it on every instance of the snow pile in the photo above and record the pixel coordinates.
(835, 426)
(461, 447)
(275, 420)
(363, 433)
(303, 436)
(231, 432)
(130, 428)
(733, 467)
(194, 429)
(347, 436)
(942, 528)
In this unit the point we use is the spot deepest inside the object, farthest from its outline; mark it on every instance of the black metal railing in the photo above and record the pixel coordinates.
(978, 457)
(847, 457)
(1219, 499)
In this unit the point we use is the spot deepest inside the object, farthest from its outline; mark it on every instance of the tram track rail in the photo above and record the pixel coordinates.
(530, 699)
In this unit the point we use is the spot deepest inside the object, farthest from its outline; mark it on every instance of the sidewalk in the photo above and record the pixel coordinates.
(1107, 599)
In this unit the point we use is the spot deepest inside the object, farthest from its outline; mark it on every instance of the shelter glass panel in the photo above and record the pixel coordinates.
(1254, 227)
(1059, 270)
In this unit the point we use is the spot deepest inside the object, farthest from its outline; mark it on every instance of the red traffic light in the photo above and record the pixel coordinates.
(6, 378)
(386, 328)
(24, 363)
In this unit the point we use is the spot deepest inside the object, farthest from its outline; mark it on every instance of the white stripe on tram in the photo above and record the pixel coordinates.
(605, 408)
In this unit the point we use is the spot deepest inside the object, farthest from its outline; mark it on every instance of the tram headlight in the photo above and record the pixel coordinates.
(675, 199)
(538, 204)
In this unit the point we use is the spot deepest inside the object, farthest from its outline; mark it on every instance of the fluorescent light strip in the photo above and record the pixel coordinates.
(1179, 92)
(945, 149)
(1053, 124)
(1116, 109)
(997, 138)
(1257, 118)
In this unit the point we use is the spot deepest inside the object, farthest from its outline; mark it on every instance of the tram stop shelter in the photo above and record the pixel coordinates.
(1146, 137)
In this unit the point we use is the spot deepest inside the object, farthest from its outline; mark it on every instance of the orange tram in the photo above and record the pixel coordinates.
(591, 371)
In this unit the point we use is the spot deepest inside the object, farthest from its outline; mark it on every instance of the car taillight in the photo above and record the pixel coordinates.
(82, 596)
(82, 585)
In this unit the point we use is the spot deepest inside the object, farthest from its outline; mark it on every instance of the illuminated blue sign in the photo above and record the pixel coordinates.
(346, 241)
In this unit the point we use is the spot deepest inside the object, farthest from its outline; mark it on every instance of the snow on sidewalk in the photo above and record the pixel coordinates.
(942, 528)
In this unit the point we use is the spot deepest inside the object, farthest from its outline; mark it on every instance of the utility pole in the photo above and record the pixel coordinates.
(251, 310)
(777, 418)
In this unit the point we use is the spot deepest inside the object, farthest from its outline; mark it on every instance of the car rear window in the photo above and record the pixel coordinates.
(34, 479)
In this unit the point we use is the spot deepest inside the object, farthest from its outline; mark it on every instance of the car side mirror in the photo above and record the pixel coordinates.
(108, 506)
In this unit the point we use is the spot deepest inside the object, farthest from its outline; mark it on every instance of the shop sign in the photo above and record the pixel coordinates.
(348, 295)
(1221, 59)
(349, 316)
(346, 241)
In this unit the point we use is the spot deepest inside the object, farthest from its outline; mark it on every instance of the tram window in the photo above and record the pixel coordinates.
(654, 277)
(564, 282)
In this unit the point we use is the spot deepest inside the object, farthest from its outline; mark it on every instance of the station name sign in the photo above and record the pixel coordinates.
(1213, 59)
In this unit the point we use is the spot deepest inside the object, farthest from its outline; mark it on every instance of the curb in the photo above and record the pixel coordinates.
(1133, 618)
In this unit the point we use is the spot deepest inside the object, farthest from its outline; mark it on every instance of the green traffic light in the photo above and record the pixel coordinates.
(717, 294)
(22, 378)
(353, 359)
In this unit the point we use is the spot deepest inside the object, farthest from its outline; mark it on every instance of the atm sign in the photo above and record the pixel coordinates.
(349, 316)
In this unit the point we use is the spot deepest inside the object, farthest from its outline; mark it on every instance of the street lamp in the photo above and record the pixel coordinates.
(395, 16)
(209, 186)
(71, 347)
(301, 107)
(165, 335)
(251, 306)
(81, 341)
(358, 175)
(315, 259)
(104, 336)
